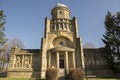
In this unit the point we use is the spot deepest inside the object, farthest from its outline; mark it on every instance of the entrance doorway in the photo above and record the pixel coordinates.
(61, 61)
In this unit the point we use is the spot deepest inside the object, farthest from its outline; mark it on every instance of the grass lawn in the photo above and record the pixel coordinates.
(45, 79)
(13, 79)
(102, 79)
(19, 79)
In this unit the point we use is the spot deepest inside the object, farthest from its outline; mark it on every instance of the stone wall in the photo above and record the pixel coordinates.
(96, 64)
(23, 74)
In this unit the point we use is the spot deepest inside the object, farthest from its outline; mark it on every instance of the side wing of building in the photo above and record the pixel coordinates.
(24, 63)
(95, 63)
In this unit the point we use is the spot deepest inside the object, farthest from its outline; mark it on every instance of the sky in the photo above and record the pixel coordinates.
(25, 19)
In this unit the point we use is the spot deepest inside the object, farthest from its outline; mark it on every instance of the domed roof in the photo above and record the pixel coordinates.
(61, 5)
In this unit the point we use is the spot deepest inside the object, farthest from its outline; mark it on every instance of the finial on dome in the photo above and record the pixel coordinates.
(62, 5)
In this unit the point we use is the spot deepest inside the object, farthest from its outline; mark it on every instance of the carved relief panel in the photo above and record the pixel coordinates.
(27, 61)
(18, 62)
(23, 61)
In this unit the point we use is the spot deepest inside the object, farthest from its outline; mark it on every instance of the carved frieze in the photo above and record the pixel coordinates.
(23, 61)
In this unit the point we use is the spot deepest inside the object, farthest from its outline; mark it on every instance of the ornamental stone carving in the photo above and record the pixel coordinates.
(18, 61)
(27, 61)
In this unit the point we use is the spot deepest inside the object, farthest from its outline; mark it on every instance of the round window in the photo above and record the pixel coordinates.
(61, 12)
(61, 43)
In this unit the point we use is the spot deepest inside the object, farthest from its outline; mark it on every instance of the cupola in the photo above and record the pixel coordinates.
(60, 11)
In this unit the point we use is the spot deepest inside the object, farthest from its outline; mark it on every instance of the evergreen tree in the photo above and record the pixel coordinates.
(2, 40)
(111, 39)
(2, 28)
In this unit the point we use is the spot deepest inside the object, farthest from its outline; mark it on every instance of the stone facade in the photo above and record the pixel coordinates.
(61, 47)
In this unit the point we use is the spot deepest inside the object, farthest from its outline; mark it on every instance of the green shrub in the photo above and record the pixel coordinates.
(52, 74)
(76, 74)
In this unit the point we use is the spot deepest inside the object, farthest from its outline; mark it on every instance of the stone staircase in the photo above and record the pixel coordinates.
(62, 74)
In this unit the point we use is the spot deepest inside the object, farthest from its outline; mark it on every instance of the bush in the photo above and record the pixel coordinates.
(76, 74)
(52, 74)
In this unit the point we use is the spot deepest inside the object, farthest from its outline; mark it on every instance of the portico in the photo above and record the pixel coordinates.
(61, 58)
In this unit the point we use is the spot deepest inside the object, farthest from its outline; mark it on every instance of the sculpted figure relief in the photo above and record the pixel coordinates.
(18, 61)
(27, 61)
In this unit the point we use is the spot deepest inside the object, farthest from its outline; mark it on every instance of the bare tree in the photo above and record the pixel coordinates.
(88, 45)
(15, 42)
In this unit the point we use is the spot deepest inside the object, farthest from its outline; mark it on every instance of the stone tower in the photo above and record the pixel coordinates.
(61, 47)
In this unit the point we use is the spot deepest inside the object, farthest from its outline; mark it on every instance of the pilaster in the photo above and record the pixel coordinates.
(76, 26)
(82, 55)
(47, 26)
(43, 57)
(49, 59)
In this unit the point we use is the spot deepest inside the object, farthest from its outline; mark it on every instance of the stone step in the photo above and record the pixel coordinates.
(61, 72)
(62, 78)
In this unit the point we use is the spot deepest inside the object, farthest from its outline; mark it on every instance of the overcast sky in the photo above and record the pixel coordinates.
(25, 18)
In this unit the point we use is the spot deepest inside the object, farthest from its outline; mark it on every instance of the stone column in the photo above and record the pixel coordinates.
(64, 26)
(23, 60)
(73, 59)
(57, 61)
(59, 26)
(67, 27)
(55, 26)
(66, 60)
(49, 59)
